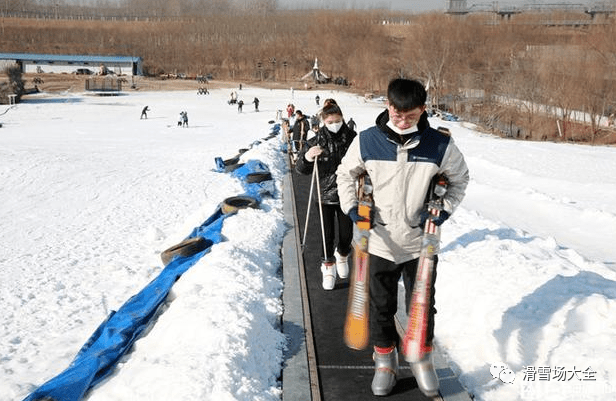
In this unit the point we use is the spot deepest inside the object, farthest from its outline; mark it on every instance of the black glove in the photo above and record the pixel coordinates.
(354, 215)
(437, 220)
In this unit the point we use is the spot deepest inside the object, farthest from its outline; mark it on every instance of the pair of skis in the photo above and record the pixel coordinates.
(356, 330)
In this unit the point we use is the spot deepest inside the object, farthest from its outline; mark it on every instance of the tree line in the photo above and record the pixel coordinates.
(521, 76)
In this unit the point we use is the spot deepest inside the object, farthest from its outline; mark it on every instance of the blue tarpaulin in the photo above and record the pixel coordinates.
(255, 189)
(245, 172)
(121, 329)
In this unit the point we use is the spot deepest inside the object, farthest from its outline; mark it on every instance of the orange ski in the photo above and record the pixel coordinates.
(356, 330)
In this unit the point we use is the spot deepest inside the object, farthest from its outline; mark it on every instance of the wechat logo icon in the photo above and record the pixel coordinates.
(502, 372)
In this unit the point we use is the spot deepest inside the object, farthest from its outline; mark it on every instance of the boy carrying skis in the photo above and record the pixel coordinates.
(401, 154)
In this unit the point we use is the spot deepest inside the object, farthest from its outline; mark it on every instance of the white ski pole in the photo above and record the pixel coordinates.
(316, 168)
(314, 177)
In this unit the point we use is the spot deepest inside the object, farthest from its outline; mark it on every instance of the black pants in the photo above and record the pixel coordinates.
(384, 277)
(331, 215)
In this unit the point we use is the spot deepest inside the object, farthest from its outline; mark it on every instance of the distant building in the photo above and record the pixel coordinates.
(77, 64)
(457, 7)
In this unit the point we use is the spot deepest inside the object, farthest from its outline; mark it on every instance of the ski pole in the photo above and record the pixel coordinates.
(316, 168)
(314, 177)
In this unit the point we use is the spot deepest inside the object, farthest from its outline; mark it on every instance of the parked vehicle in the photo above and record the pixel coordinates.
(83, 71)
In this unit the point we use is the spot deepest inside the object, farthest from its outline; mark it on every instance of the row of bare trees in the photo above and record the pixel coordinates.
(541, 81)
(133, 9)
(525, 79)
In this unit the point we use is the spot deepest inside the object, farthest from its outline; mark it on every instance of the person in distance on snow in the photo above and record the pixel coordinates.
(326, 149)
(300, 131)
(185, 119)
(401, 153)
(290, 110)
(352, 124)
(144, 112)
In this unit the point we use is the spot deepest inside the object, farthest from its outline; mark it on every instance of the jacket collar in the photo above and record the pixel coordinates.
(340, 136)
(408, 139)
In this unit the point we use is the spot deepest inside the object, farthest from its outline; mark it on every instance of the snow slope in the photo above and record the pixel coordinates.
(90, 195)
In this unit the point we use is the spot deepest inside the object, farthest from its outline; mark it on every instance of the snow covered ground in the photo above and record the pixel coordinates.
(90, 195)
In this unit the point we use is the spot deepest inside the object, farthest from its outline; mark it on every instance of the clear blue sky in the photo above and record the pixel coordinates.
(412, 5)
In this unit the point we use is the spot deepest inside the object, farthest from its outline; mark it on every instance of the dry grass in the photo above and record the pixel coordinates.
(522, 58)
(54, 83)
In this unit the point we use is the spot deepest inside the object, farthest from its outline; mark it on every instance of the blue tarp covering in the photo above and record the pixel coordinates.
(121, 329)
(245, 171)
(255, 189)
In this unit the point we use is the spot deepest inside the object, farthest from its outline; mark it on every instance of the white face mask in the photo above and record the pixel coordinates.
(399, 131)
(334, 127)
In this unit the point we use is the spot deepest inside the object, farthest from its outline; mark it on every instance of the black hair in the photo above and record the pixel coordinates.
(330, 109)
(329, 101)
(406, 94)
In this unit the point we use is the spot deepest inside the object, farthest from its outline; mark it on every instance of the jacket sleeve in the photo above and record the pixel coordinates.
(351, 167)
(455, 169)
(302, 165)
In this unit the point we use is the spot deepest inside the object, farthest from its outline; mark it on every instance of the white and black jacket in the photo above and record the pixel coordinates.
(400, 168)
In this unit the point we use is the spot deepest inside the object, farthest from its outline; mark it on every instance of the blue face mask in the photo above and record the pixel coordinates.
(334, 127)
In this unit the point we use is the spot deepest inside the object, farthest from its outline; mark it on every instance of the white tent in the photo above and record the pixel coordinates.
(316, 74)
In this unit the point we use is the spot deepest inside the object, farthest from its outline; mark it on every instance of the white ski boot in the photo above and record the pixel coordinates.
(426, 376)
(329, 275)
(385, 372)
(342, 265)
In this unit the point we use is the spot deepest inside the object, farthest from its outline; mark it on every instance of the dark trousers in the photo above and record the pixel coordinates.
(384, 277)
(332, 214)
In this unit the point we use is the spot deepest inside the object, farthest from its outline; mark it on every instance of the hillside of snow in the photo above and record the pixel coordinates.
(90, 195)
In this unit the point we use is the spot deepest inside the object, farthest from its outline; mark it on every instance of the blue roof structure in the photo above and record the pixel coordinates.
(66, 58)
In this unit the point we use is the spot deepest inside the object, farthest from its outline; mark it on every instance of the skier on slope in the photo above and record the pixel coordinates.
(144, 112)
(330, 144)
(401, 154)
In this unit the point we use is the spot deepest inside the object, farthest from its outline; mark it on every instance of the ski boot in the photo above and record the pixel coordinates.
(329, 275)
(424, 373)
(385, 371)
(342, 265)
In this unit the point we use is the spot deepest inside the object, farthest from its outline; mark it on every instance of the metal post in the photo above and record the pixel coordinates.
(284, 64)
(273, 61)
